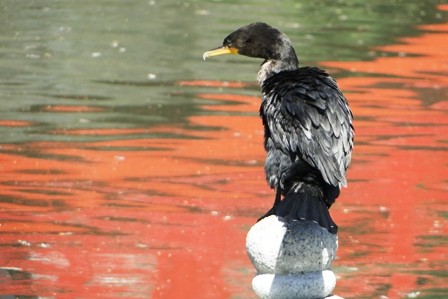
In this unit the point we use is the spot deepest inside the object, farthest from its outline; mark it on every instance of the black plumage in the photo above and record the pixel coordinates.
(308, 131)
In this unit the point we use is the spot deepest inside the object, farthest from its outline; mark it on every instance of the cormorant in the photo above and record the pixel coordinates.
(308, 131)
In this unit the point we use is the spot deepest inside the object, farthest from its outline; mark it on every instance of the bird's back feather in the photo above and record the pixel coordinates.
(307, 117)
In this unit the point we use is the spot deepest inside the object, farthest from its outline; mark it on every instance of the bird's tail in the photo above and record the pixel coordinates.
(305, 202)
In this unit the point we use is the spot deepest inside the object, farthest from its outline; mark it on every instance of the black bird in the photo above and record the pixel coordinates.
(308, 131)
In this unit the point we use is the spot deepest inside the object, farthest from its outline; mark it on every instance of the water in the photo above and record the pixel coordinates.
(133, 169)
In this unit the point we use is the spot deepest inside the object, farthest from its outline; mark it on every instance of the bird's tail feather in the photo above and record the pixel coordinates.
(305, 202)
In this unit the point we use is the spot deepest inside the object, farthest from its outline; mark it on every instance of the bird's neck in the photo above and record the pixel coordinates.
(271, 67)
(285, 60)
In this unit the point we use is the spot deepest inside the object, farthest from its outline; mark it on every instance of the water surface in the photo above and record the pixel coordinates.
(133, 169)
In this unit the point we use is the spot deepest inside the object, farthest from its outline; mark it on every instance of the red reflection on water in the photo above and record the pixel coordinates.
(167, 218)
(14, 123)
(92, 218)
(211, 83)
(71, 108)
(394, 212)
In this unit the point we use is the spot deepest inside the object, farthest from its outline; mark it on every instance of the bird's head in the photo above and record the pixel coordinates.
(255, 40)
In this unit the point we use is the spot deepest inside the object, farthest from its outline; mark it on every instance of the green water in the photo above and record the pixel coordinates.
(125, 57)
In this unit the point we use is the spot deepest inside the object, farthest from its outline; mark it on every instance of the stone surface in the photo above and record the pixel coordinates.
(307, 285)
(280, 246)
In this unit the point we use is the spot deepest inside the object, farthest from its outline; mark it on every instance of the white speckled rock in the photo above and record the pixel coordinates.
(277, 245)
(308, 285)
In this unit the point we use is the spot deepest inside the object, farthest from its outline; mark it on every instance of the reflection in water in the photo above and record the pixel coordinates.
(126, 174)
(402, 117)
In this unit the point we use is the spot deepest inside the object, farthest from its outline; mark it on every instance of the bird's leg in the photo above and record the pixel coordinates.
(277, 200)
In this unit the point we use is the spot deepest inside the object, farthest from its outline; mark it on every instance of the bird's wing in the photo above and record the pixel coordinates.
(313, 121)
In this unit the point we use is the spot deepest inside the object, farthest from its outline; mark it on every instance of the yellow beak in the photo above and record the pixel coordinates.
(220, 51)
